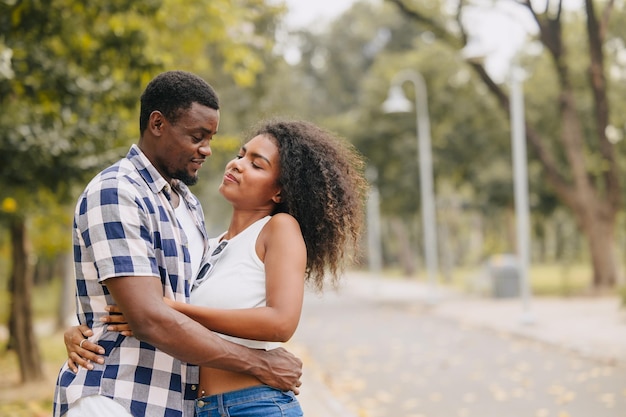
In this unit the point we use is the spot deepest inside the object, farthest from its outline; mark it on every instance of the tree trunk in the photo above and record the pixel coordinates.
(22, 337)
(67, 307)
(601, 239)
(407, 257)
(447, 255)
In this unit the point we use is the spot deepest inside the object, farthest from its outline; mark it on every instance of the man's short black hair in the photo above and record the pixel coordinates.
(173, 91)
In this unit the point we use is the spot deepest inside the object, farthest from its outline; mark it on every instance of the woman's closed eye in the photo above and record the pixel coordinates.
(254, 164)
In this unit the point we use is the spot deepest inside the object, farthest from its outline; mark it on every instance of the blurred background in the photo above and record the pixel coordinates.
(499, 142)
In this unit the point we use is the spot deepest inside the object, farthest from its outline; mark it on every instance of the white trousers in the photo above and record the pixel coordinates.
(97, 406)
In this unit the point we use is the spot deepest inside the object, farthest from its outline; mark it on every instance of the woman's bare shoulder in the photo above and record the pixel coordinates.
(283, 220)
(283, 225)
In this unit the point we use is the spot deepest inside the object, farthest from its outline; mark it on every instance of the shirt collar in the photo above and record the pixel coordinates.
(183, 190)
(155, 180)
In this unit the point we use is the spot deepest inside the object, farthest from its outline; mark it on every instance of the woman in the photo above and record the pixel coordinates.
(297, 195)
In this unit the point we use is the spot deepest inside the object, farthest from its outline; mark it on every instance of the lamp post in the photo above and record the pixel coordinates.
(520, 188)
(373, 223)
(520, 177)
(397, 102)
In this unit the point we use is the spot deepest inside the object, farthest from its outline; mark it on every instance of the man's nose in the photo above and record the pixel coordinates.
(205, 148)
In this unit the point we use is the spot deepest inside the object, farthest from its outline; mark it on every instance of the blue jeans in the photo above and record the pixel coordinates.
(260, 401)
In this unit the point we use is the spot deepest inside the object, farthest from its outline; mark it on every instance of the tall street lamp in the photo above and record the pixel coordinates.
(520, 186)
(397, 102)
(520, 176)
(373, 223)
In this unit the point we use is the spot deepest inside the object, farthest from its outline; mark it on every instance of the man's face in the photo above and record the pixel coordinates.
(183, 147)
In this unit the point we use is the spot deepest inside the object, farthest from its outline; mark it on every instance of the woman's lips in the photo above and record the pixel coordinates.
(230, 178)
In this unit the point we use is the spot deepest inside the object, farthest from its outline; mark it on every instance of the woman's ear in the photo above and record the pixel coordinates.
(277, 198)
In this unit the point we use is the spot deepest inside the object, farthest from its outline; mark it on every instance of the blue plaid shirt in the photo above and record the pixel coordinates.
(125, 226)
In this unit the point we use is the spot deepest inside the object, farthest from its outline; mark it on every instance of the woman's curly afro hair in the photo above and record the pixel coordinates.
(323, 187)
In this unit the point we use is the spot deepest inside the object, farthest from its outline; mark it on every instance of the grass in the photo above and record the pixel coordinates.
(545, 279)
(558, 280)
(33, 399)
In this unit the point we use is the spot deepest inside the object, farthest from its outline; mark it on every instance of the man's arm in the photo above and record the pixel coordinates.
(140, 300)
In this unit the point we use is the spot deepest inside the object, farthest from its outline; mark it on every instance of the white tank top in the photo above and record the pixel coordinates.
(195, 240)
(236, 279)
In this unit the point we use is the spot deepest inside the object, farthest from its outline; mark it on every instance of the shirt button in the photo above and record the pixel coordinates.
(193, 387)
(200, 403)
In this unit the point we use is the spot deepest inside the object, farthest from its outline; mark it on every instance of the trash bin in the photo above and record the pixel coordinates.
(504, 275)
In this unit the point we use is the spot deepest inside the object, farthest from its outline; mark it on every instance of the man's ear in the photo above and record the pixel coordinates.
(156, 123)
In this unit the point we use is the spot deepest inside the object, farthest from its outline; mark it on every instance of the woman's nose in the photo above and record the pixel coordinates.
(234, 164)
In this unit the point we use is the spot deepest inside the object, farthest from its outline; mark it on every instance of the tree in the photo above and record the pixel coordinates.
(66, 88)
(375, 42)
(581, 167)
(70, 76)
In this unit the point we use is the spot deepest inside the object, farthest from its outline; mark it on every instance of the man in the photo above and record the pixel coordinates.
(137, 230)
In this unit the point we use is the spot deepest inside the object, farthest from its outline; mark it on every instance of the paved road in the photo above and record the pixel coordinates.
(396, 358)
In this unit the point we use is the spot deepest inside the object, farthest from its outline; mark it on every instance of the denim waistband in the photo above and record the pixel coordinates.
(241, 396)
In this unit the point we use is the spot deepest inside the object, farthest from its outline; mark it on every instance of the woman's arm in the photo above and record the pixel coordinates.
(281, 247)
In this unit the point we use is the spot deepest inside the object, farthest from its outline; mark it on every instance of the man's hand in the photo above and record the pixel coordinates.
(283, 370)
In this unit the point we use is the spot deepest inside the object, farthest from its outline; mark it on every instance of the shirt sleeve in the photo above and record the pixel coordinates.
(115, 226)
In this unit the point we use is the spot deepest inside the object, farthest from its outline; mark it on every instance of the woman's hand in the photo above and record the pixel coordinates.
(170, 302)
(116, 321)
(80, 351)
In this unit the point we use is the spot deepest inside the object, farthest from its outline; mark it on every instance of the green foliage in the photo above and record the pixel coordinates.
(334, 62)
(71, 74)
(51, 227)
(71, 87)
(343, 77)
(342, 80)
(70, 90)
(215, 37)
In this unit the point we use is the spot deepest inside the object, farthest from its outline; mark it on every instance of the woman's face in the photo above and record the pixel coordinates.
(251, 179)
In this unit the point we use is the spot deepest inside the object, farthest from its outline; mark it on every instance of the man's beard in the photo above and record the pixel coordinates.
(185, 177)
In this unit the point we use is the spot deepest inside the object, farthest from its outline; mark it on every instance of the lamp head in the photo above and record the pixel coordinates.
(396, 101)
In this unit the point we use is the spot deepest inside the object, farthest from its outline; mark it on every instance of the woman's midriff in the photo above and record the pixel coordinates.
(216, 381)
